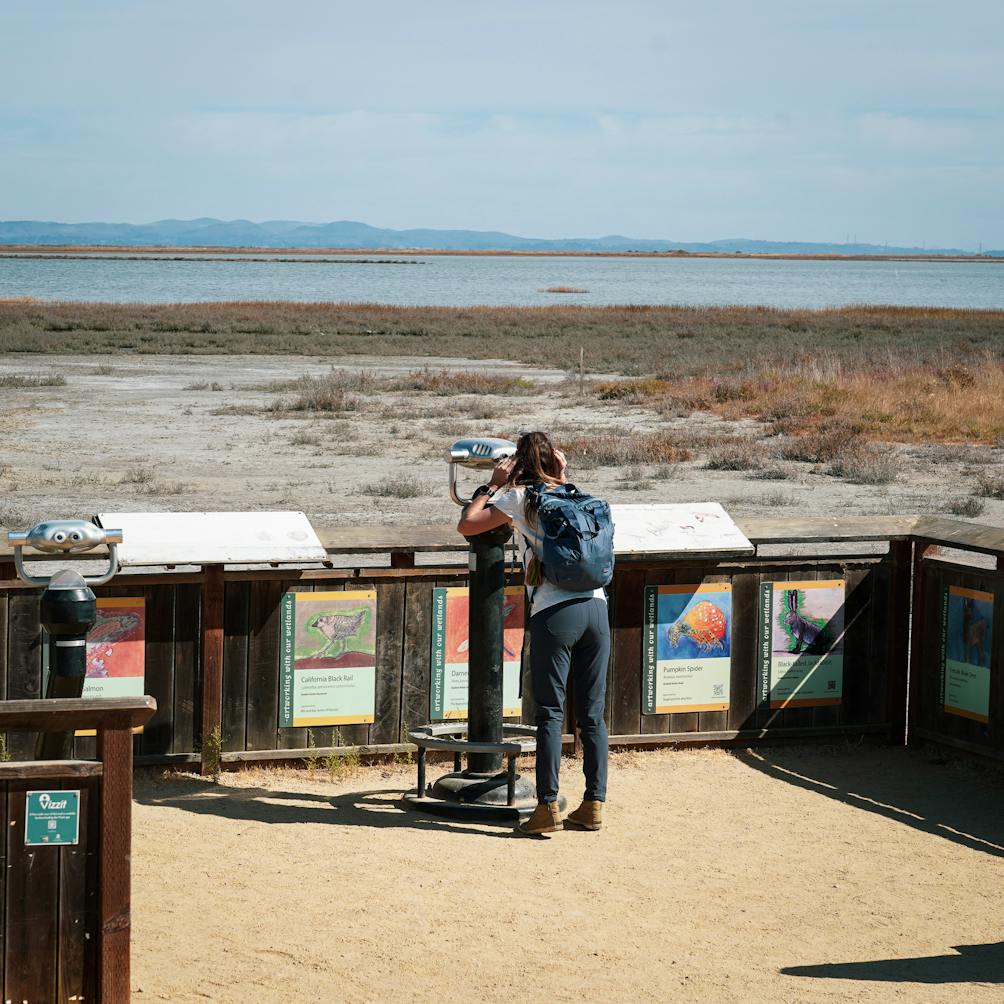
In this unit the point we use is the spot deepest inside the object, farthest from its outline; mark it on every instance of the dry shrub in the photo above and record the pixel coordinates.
(320, 394)
(397, 487)
(990, 486)
(830, 441)
(971, 507)
(740, 454)
(866, 465)
(611, 450)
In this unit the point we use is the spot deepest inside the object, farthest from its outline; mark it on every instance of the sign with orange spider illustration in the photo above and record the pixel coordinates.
(688, 648)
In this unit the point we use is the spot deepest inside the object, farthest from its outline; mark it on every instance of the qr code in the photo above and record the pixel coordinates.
(831, 684)
(718, 690)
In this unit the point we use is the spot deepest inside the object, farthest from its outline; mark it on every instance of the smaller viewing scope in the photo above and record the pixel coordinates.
(480, 453)
(64, 536)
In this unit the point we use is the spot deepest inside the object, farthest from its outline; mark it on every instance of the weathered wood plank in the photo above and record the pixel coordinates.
(236, 620)
(627, 597)
(24, 661)
(31, 909)
(211, 661)
(263, 666)
(46, 770)
(158, 735)
(76, 975)
(386, 727)
(114, 921)
(745, 653)
(62, 714)
(187, 645)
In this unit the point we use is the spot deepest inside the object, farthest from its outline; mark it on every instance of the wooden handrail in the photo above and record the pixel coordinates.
(66, 714)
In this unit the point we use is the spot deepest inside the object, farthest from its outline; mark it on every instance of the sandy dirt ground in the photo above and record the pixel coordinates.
(131, 433)
(845, 874)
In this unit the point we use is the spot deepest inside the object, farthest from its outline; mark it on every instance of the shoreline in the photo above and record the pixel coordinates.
(90, 250)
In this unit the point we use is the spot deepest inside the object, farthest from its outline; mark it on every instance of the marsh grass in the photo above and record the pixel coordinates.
(635, 340)
(739, 454)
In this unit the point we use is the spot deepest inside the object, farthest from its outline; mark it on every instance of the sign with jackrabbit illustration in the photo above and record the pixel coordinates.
(688, 648)
(802, 643)
(327, 655)
(966, 643)
(448, 688)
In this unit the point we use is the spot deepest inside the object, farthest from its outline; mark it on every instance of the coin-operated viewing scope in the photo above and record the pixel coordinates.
(68, 609)
(482, 453)
(65, 536)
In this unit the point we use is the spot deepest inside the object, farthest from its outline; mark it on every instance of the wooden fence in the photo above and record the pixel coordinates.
(66, 909)
(213, 639)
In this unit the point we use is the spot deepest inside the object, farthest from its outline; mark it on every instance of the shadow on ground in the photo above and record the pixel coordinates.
(911, 787)
(972, 964)
(379, 808)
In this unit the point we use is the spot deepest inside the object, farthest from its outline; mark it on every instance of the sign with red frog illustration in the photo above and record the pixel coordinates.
(688, 648)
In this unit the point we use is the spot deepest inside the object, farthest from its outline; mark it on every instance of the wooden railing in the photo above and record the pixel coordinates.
(67, 907)
(212, 638)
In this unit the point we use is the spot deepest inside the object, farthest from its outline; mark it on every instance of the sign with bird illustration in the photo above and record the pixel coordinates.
(450, 643)
(688, 648)
(327, 654)
(966, 643)
(802, 643)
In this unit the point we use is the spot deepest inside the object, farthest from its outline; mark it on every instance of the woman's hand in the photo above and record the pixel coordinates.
(502, 472)
(562, 464)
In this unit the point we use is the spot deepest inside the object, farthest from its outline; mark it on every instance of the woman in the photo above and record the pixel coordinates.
(569, 635)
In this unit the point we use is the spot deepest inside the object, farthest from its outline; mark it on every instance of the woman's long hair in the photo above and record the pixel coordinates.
(535, 463)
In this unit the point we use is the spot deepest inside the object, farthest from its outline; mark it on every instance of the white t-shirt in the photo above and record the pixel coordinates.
(547, 594)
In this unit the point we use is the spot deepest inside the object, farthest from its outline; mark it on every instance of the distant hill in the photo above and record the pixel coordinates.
(208, 232)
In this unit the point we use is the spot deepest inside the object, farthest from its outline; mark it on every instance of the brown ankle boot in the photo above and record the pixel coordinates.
(546, 819)
(588, 816)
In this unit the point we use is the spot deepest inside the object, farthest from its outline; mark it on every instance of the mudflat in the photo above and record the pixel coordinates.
(156, 433)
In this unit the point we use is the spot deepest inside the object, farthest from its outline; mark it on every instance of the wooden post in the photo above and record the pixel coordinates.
(901, 552)
(212, 661)
(918, 633)
(115, 753)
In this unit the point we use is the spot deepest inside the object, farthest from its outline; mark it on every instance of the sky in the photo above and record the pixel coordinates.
(809, 120)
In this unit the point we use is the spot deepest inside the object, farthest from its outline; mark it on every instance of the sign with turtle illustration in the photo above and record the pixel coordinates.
(327, 656)
(448, 691)
(802, 643)
(967, 620)
(116, 652)
(688, 648)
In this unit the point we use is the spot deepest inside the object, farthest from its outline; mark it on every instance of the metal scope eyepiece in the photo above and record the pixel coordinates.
(64, 536)
(478, 453)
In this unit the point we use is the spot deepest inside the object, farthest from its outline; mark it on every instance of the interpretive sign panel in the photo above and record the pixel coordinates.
(687, 528)
(203, 538)
(116, 652)
(327, 654)
(966, 643)
(688, 648)
(448, 695)
(802, 643)
(51, 817)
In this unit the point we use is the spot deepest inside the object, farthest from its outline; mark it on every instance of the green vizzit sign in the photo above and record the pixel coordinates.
(51, 818)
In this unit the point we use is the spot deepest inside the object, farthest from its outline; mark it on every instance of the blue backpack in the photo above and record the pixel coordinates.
(575, 545)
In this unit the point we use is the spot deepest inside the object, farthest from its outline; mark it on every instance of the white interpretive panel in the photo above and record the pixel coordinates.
(684, 528)
(208, 538)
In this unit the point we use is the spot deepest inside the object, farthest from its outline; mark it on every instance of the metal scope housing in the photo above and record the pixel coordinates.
(64, 536)
(478, 453)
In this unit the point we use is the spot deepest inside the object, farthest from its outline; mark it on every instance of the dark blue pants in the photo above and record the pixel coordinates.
(570, 639)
